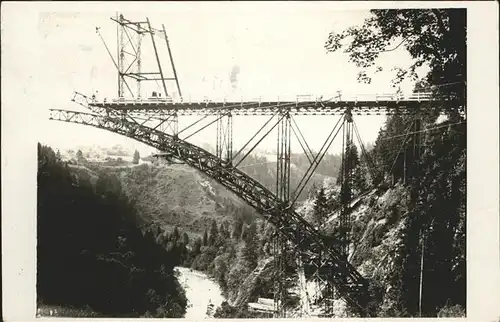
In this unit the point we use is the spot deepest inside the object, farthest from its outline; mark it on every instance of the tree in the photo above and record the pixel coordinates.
(250, 251)
(136, 157)
(237, 228)
(79, 157)
(435, 37)
(205, 238)
(359, 178)
(185, 238)
(197, 246)
(351, 161)
(214, 233)
(91, 251)
(175, 235)
(346, 173)
(320, 211)
(222, 230)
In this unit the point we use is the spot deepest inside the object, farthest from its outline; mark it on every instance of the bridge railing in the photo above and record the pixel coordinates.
(302, 98)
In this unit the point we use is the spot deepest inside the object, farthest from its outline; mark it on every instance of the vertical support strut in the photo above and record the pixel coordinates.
(121, 56)
(346, 194)
(118, 54)
(304, 296)
(283, 195)
(283, 159)
(224, 141)
(172, 62)
(280, 254)
(139, 62)
(175, 121)
(151, 32)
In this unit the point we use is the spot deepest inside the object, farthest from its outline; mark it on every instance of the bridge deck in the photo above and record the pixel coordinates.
(262, 108)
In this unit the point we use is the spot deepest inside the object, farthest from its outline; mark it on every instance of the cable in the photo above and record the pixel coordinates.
(364, 152)
(421, 131)
(401, 147)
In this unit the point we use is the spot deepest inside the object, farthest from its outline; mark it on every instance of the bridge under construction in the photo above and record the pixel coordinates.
(154, 120)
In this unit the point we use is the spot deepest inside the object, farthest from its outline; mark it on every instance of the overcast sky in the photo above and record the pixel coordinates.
(264, 49)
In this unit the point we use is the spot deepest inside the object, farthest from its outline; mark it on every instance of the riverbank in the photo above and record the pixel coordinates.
(201, 291)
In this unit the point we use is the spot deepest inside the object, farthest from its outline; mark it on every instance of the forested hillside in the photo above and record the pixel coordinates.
(91, 255)
(400, 244)
(425, 154)
(172, 195)
(263, 170)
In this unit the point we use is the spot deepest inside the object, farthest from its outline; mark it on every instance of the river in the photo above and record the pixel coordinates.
(200, 292)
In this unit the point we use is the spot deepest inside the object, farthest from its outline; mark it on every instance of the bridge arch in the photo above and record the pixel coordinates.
(349, 283)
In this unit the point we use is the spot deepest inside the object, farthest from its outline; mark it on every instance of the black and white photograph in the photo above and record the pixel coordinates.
(230, 160)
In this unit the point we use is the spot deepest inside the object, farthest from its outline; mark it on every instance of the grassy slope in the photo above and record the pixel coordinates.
(178, 195)
(175, 195)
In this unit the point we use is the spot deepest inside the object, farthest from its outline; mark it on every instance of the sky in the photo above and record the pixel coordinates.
(219, 49)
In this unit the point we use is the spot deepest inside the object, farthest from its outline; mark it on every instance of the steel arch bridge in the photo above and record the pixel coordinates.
(349, 283)
(330, 265)
(154, 122)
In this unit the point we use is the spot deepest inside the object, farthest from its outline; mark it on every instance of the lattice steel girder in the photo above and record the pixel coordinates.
(291, 224)
(224, 141)
(268, 108)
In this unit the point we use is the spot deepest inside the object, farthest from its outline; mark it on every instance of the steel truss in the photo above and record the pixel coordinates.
(155, 123)
(224, 141)
(388, 107)
(280, 292)
(328, 262)
(130, 35)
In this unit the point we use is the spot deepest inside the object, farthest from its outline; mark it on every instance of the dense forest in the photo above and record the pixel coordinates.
(90, 253)
(238, 258)
(427, 156)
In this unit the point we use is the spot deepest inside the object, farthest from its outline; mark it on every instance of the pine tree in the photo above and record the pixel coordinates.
(79, 157)
(237, 228)
(175, 235)
(359, 178)
(222, 230)
(320, 211)
(251, 246)
(136, 157)
(214, 233)
(197, 246)
(205, 238)
(185, 238)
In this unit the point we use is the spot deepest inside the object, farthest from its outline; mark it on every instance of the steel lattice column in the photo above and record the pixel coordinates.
(283, 195)
(139, 62)
(346, 182)
(121, 56)
(224, 141)
(283, 159)
(280, 252)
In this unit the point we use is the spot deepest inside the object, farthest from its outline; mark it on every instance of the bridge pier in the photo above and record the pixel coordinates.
(280, 255)
(283, 195)
(345, 184)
